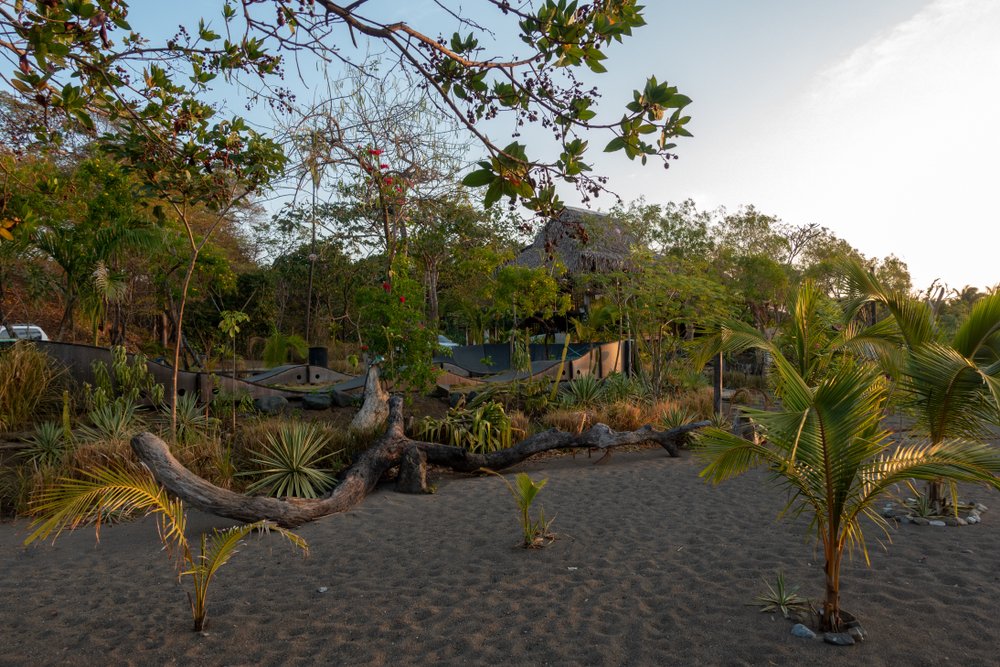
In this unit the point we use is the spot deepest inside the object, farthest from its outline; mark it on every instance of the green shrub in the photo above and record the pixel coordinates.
(280, 347)
(124, 382)
(484, 428)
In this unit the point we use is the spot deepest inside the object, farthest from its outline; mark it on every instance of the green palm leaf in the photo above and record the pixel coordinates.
(827, 447)
(73, 502)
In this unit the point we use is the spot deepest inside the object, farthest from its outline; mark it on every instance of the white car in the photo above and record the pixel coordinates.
(23, 332)
(446, 343)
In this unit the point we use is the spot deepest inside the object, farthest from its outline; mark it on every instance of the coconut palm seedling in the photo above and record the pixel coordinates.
(73, 502)
(535, 531)
(826, 445)
(952, 386)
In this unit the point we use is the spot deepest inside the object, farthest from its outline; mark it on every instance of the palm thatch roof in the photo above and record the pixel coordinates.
(583, 241)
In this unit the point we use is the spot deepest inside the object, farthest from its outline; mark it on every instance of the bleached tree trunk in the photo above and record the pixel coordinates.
(375, 409)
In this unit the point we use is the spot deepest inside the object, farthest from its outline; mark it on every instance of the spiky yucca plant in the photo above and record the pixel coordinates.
(47, 446)
(290, 462)
(73, 502)
(192, 422)
(584, 391)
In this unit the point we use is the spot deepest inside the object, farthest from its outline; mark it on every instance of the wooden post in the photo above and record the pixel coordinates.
(717, 384)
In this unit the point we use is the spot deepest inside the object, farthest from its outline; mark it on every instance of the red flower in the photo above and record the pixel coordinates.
(386, 286)
(374, 151)
(383, 166)
(388, 180)
(402, 299)
(364, 348)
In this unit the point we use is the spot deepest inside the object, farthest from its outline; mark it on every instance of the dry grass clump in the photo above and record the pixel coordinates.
(568, 420)
(520, 424)
(662, 408)
(622, 416)
(18, 484)
(352, 442)
(698, 402)
(29, 384)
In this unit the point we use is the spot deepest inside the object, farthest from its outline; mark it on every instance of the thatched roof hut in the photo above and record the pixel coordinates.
(583, 241)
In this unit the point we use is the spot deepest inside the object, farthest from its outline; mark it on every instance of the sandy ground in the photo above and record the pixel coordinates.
(653, 567)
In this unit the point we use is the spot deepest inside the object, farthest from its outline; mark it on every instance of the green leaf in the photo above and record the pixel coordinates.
(478, 179)
(615, 144)
(493, 193)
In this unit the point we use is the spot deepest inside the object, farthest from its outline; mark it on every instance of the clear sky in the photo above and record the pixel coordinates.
(874, 119)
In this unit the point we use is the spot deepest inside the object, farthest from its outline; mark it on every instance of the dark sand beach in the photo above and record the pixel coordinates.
(652, 567)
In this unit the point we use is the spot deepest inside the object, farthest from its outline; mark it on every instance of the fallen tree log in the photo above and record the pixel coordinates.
(387, 452)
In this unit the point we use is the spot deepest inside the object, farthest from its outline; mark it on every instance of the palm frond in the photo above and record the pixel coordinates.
(914, 318)
(727, 455)
(72, 502)
(953, 395)
(982, 325)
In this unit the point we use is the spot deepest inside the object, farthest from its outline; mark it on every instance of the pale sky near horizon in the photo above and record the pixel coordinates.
(874, 119)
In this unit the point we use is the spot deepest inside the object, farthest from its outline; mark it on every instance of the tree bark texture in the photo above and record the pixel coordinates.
(387, 452)
(375, 408)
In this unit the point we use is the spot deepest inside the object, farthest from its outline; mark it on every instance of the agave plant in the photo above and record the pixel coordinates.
(290, 463)
(112, 421)
(192, 422)
(47, 446)
(827, 446)
(676, 416)
(585, 391)
(619, 387)
(73, 502)
(780, 597)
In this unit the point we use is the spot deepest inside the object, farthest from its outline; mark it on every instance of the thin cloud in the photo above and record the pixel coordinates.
(894, 146)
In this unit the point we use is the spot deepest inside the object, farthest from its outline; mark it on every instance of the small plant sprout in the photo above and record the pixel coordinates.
(535, 531)
(780, 597)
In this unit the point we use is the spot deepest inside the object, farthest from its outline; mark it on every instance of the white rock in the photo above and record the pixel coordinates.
(322, 589)
(935, 522)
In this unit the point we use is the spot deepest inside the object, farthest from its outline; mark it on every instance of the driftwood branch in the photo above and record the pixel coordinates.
(387, 452)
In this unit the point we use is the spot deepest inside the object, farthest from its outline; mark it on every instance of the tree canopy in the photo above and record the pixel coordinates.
(83, 60)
